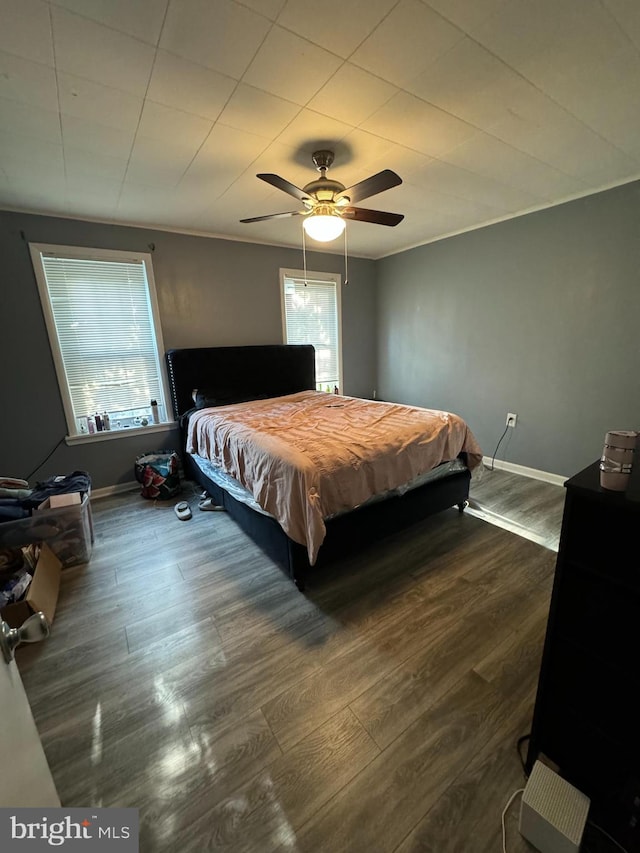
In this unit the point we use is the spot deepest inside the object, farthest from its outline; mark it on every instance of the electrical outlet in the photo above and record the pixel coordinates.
(511, 419)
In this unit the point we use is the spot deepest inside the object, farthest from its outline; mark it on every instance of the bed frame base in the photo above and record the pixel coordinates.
(346, 534)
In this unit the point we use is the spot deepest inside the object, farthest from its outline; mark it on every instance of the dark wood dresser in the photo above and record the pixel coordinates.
(587, 712)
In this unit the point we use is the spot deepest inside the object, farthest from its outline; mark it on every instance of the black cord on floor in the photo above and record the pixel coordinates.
(46, 459)
(521, 740)
(493, 458)
(598, 843)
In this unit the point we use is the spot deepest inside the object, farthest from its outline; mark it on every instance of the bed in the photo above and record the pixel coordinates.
(236, 407)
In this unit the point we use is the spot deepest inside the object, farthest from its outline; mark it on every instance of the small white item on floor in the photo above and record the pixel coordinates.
(183, 510)
(553, 813)
(207, 505)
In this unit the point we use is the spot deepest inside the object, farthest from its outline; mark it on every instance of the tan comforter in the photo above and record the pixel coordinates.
(310, 455)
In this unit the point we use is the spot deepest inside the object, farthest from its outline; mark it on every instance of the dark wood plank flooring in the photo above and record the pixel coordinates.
(187, 677)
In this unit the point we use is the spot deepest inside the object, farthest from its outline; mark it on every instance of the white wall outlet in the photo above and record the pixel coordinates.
(511, 419)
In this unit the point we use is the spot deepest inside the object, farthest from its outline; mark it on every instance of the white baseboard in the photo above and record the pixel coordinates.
(533, 473)
(132, 486)
(106, 491)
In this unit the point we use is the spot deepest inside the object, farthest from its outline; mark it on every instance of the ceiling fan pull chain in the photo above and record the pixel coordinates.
(304, 257)
(346, 259)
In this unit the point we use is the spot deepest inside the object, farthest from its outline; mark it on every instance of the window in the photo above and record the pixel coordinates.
(102, 317)
(311, 315)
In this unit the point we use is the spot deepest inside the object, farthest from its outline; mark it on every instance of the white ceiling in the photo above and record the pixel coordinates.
(161, 112)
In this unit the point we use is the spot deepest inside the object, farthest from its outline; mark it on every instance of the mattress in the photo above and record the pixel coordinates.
(243, 495)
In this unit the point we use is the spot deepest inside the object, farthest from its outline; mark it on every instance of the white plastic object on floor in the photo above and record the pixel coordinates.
(553, 813)
(183, 510)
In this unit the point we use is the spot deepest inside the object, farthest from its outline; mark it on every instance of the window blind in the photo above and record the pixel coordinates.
(104, 324)
(311, 317)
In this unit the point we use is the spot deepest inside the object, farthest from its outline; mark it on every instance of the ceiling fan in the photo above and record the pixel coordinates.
(328, 203)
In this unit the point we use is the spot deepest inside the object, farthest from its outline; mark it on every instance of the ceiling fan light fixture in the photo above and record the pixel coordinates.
(328, 203)
(323, 227)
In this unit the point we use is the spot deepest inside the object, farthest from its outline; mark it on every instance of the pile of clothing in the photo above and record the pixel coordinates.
(21, 523)
(12, 493)
(18, 500)
(16, 573)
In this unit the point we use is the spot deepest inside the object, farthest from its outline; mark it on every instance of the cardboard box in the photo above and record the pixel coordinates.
(55, 501)
(42, 593)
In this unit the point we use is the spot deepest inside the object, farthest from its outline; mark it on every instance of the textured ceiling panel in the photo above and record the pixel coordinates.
(162, 112)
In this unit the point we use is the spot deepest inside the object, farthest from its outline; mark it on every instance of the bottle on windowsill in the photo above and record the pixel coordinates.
(154, 412)
(106, 421)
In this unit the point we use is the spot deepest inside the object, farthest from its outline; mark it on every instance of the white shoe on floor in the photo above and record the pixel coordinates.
(183, 510)
(208, 506)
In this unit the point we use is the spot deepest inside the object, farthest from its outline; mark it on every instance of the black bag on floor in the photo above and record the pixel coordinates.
(158, 472)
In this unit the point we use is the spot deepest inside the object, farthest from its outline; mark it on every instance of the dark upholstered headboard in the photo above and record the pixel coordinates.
(251, 372)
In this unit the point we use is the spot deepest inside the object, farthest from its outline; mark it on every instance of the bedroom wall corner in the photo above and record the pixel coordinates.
(537, 315)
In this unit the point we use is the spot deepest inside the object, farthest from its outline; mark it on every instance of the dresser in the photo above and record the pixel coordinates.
(587, 712)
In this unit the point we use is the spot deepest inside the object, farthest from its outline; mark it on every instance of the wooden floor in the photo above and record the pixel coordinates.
(528, 507)
(379, 711)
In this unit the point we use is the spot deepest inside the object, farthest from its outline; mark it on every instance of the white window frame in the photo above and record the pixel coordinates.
(311, 275)
(86, 253)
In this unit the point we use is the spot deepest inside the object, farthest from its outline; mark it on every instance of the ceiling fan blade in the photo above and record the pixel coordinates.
(372, 186)
(379, 217)
(285, 186)
(275, 216)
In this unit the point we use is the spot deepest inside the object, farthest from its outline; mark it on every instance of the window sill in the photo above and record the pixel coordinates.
(108, 435)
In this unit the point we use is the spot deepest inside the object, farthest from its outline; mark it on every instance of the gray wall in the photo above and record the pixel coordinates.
(211, 293)
(539, 316)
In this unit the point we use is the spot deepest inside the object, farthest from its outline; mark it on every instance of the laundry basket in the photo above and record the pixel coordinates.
(158, 472)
